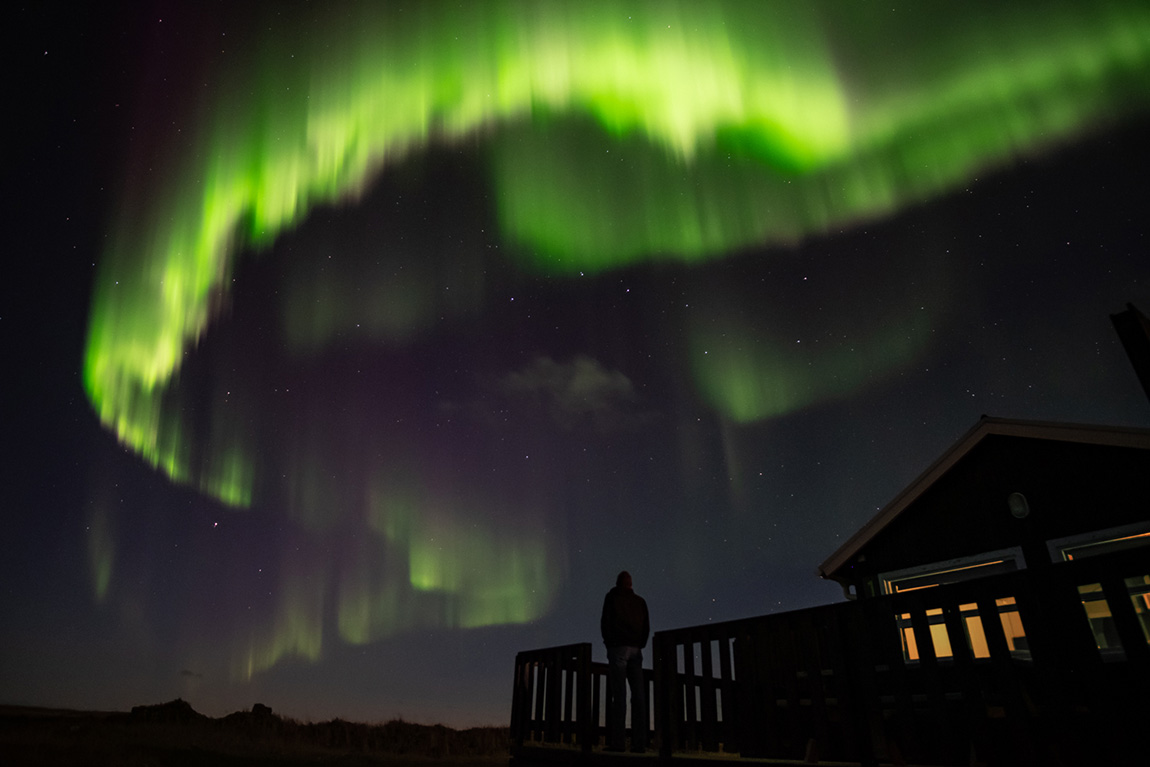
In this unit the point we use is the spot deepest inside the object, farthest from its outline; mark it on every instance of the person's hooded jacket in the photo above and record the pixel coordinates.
(625, 621)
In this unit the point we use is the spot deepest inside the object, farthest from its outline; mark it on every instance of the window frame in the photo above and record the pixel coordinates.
(1090, 544)
(1013, 556)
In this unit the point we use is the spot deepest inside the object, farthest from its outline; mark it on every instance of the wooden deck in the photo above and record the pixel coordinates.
(1034, 667)
(542, 756)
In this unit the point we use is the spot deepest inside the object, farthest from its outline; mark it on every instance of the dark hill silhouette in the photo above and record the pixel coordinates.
(174, 733)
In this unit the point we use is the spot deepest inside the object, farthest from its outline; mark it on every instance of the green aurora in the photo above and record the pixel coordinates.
(616, 133)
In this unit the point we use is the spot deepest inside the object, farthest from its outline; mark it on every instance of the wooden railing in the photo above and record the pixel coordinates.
(560, 697)
(1019, 668)
(552, 699)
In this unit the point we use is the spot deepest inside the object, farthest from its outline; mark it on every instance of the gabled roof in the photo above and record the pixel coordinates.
(1117, 436)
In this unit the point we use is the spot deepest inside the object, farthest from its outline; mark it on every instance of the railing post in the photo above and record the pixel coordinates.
(663, 663)
(709, 735)
(728, 732)
(584, 689)
(517, 695)
(689, 721)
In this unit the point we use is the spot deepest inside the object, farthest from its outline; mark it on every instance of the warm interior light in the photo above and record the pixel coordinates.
(975, 634)
(1012, 626)
(1101, 547)
(901, 589)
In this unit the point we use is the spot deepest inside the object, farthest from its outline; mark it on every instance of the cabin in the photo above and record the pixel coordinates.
(1009, 495)
(996, 611)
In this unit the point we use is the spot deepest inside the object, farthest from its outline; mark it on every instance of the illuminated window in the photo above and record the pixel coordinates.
(1099, 542)
(975, 634)
(1139, 588)
(974, 630)
(939, 637)
(906, 634)
(952, 571)
(1101, 619)
(1012, 628)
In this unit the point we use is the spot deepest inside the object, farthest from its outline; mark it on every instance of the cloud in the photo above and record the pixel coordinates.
(576, 394)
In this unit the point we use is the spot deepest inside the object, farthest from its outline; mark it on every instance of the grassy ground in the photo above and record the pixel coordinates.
(173, 735)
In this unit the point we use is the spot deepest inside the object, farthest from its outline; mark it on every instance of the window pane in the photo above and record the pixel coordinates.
(1101, 620)
(955, 572)
(1139, 588)
(938, 635)
(906, 636)
(975, 635)
(1012, 627)
(1094, 548)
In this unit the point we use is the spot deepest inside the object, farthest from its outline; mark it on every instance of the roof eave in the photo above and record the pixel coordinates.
(987, 425)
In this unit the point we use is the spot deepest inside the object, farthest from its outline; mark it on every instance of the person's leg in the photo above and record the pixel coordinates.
(639, 714)
(616, 697)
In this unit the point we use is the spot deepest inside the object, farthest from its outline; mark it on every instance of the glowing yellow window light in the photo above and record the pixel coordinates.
(1101, 620)
(1012, 626)
(906, 633)
(939, 637)
(975, 634)
(1139, 588)
(938, 634)
(939, 577)
(1096, 547)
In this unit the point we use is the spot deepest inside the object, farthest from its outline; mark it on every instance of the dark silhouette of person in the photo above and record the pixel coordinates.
(625, 626)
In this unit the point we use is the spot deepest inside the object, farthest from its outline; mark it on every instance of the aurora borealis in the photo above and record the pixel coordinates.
(410, 324)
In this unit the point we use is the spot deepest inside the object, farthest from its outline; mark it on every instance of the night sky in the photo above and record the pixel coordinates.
(349, 351)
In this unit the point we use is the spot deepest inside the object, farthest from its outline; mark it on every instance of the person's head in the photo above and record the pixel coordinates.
(623, 580)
